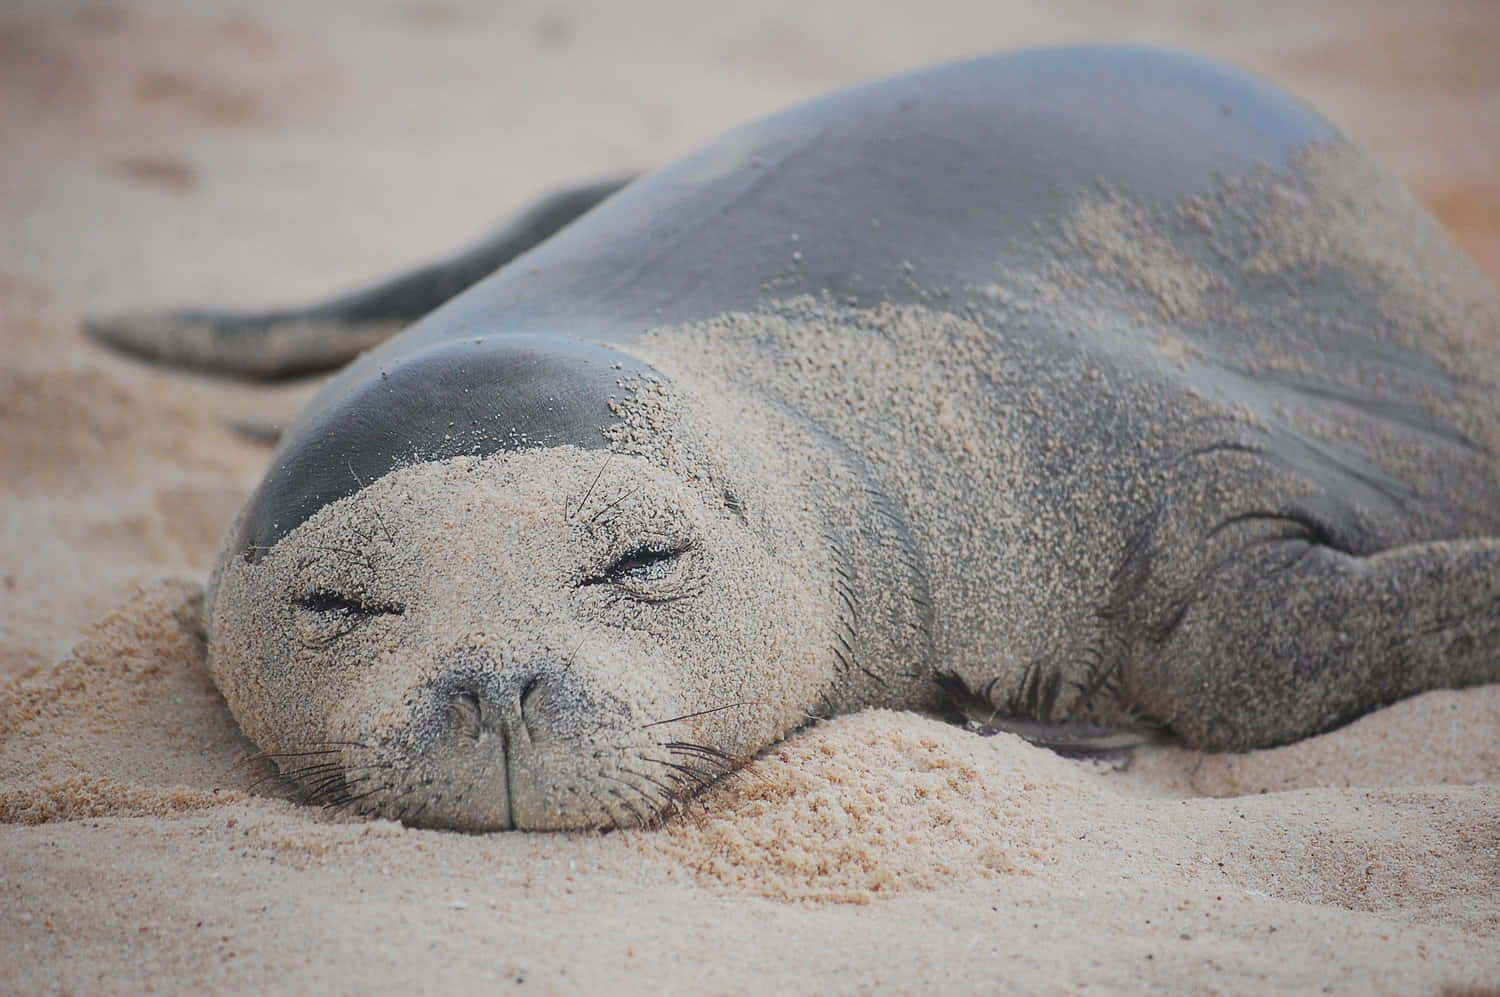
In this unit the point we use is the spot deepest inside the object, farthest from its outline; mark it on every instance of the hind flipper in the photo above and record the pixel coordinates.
(286, 343)
(1293, 637)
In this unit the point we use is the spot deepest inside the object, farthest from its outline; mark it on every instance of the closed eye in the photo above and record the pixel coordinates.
(326, 602)
(644, 564)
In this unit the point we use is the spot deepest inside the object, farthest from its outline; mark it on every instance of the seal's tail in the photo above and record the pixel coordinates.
(273, 345)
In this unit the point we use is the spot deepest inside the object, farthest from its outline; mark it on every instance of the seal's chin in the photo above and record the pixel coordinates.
(501, 781)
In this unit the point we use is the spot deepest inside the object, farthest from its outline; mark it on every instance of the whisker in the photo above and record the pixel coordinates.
(623, 496)
(349, 800)
(275, 757)
(585, 500)
(668, 791)
(700, 713)
(311, 749)
(299, 775)
(702, 780)
(611, 821)
(347, 551)
(700, 749)
(640, 818)
(337, 784)
(309, 770)
(685, 789)
(730, 767)
(328, 786)
(373, 511)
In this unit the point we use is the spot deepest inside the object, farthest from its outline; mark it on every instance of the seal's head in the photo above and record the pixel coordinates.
(558, 636)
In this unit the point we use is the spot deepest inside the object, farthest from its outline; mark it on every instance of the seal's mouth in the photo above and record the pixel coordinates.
(494, 752)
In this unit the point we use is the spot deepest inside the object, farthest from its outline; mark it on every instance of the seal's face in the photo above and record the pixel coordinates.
(547, 639)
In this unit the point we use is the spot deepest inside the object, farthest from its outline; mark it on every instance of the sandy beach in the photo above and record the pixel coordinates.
(160, 153)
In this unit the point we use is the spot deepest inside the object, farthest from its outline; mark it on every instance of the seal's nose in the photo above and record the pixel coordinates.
(506, 737)
(477, 706)
(482, 696)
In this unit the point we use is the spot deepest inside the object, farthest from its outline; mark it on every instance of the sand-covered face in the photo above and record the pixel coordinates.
(547, 639)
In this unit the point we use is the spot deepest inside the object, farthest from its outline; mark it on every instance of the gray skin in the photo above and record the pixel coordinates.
(1241, 528)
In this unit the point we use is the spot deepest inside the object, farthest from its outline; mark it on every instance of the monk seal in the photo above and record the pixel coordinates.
(1096, 389)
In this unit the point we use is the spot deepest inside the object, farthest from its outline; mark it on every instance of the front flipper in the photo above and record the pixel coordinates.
(1029, 714)
(286, 343)
(1292, 637)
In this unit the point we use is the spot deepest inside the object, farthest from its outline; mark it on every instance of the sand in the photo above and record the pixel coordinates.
(218, 154)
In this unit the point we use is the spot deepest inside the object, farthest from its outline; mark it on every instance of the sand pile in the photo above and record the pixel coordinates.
(882, 846)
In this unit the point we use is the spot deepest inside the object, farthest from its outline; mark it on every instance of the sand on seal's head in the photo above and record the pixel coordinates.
(550, 638)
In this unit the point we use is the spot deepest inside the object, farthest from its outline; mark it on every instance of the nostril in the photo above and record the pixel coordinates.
(477, 702)
(467, 712)
(526, 690)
